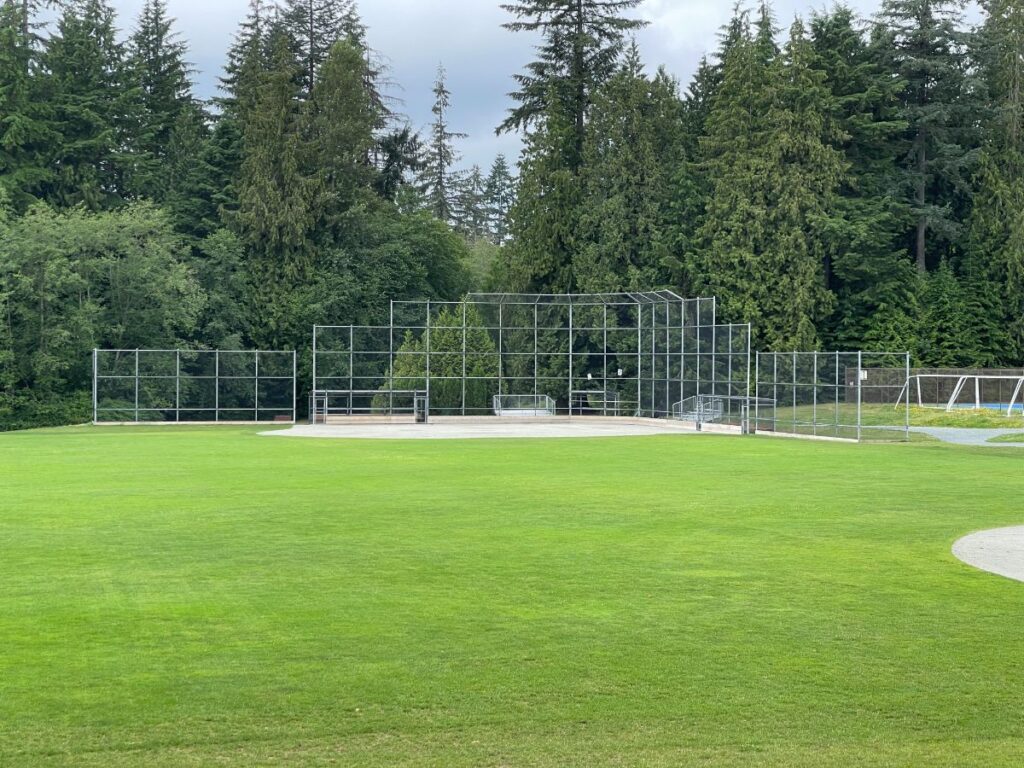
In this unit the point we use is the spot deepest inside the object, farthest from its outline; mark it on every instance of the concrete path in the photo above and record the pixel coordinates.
(502, 429)
(999, 551)
(964, 436)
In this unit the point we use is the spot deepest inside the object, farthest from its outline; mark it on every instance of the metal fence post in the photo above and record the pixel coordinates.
(814, 397)
(314, 360)
(757, 389)
(95, 383)
(216, 386)
(391, 360)
(464, 334)
(907, 430)
(570, 358)
(860, 385)
(136, 385)
(428, 361)
(177, 385)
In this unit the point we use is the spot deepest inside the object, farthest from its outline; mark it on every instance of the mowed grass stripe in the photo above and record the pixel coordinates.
(178, 597)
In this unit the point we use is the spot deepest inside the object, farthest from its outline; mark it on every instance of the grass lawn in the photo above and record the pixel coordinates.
(1016, 437)
(187, 597)
(873, 415)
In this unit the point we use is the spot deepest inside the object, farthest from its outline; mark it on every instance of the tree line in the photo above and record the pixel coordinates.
(844, 183)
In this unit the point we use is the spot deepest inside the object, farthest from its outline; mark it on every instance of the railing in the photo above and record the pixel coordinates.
(587, 402)
(328, 405)
(703, 409)
(523, 405)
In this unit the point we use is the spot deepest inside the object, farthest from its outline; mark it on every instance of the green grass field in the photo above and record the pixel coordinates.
(194, 597)
(1017, 437)
(873, 415)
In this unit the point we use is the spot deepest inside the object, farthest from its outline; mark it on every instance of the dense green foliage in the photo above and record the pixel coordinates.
(827, 187)
(844, 184)
(213, 597)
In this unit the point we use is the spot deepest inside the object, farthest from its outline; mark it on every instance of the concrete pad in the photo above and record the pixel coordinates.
(969, 436)
(999, 551)
(478, 428)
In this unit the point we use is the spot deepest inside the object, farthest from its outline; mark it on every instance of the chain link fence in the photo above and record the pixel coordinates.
(193, 386)
(837, 395)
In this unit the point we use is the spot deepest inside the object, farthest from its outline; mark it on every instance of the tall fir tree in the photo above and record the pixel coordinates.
(581, 46)
(582, 41)
(470, 208)
(26, 128)
(247, 57)
(994, 266)
(946, 338)
(499, 191)
(926, 50)
(342, 128)
(439, 180)
(156, 67)
(95, 108)
(765, 236)
(629, 159)
(277, 195)
(544, 217)
(874, 281)
(316, 25)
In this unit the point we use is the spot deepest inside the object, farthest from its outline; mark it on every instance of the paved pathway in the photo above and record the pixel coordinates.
(964, 436)
(502, 429)
(1000, 551)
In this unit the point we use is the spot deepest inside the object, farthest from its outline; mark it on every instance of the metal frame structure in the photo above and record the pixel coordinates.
(980, 394)
(828, 394)
(636, 352)
(523, 405)
(328, 405)
(193, 386)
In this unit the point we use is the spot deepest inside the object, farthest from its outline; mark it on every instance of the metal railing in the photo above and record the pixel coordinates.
(338, 405)
(523, 405)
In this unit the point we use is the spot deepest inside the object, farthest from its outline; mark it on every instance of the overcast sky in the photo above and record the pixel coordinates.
(466, 35)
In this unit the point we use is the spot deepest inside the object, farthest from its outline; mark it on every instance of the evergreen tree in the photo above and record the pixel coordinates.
(499, 194)
(438, 180)
(449, 394)
(156, 68)
(581, 46)
(400, 159)
(276, 193)
(316, 25)
(342, 131)
(873, 280)
(94, 108)
(543, 218)
(628, 159)
(946, 336)
(194, 186)
(926, 50)
(26, 131)
(470, 209)
(765, 237)
(994, 265)
(248, 57)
